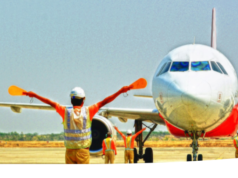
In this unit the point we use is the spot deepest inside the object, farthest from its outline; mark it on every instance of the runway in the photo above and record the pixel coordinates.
(56, 155)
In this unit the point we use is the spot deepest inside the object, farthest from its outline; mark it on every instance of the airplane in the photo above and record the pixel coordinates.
(194, 90)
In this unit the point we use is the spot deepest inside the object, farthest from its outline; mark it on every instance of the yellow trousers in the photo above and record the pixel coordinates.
(236, 154)
(109, 157)
(129, 155)
(77, 156)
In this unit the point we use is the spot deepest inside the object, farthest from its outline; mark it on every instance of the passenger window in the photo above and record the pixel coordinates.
(200, 65)
(179, 66)
(164, 69)
(215, 67)
(222, 68)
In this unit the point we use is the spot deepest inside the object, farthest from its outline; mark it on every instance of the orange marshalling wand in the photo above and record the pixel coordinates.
(15, 91)
(139, 84)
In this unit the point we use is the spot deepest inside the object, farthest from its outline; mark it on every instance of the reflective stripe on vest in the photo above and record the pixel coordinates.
(77, 138)
(77, 131)
(77, 135)
(108, 147)
(128, 143)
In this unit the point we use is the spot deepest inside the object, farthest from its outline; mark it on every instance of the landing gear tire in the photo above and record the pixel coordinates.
(148, 156)
(135, 156)
(189, 157)
(200, 157)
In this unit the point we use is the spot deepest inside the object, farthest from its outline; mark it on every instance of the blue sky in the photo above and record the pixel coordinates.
(49, 47)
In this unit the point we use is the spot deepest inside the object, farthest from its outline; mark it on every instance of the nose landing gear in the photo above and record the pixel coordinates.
(194, 136)
(148, 156)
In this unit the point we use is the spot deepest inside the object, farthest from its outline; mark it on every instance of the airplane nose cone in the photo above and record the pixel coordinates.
(185, 102)
(197, 92)
(186, 99)
(197, 97)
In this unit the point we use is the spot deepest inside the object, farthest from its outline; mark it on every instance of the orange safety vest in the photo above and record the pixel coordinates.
(77, 137)
(128, 143)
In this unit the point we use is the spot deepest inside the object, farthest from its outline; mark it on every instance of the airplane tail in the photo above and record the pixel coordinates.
(214, 34)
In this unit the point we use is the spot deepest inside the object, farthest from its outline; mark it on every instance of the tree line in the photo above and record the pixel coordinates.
(14, 136)
(154, 134)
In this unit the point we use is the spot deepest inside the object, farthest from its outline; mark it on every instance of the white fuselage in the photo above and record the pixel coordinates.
(198, 98)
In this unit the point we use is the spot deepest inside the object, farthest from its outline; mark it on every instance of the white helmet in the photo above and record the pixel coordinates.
(129, 131)
(78, 93)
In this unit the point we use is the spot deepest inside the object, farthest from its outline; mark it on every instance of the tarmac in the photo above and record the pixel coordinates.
(57, 155)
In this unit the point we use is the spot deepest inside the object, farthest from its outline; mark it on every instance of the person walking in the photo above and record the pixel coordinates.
(129, 143)
(77, 121)
(109, 149)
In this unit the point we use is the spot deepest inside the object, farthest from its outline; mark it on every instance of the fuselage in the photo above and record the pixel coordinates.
(195, 88)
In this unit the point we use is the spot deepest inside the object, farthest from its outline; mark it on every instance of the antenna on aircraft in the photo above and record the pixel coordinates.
(214, 35)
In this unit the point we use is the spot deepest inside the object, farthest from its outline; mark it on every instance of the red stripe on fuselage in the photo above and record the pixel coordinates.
(172, 129)
(226, 129)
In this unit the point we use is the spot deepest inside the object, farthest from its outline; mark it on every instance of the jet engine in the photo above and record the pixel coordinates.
(100, 127)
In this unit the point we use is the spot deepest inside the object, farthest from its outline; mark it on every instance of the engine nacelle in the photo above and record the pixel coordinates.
(100, 127)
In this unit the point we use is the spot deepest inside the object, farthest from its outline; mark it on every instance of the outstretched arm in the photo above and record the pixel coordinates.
(114, 147)
(139, 132)
(112, 97)
(123, 136)
(103, 147)
(44, 100)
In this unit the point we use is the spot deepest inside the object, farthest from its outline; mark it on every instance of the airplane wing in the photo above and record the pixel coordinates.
(16, 107)
(148, 115)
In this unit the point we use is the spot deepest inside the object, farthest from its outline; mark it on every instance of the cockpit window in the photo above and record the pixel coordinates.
(179, 66)
(161, 69)
(164, 69)
(215, 67)
(222, 68)
(200, 65)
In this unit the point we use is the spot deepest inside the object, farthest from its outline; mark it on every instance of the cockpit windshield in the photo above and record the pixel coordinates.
(222, 68)
(200, 66)
(164, 68)
(179, 66)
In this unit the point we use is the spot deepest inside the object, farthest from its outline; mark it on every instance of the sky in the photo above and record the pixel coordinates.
(50, 47)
